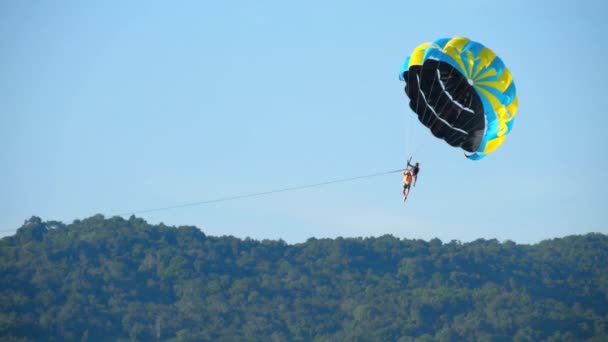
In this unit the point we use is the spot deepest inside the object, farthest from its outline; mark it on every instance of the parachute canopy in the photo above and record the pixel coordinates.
(462, 92)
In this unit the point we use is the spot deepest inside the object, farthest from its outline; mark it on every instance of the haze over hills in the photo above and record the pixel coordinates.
(111, 279)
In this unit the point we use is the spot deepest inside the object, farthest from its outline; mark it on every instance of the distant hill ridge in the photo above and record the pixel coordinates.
(115, 279)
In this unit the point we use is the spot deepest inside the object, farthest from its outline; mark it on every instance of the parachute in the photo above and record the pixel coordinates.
(462, 92)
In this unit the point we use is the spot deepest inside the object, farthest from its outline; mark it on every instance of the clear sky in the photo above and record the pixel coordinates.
(118, 106)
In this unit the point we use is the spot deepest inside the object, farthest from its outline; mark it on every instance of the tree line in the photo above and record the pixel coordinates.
(115, 279)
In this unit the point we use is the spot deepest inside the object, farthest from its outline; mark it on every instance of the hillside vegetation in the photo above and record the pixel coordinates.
(113, 279)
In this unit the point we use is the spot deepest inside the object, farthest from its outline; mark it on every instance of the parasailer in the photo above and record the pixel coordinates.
(462, 92)
(410, 175)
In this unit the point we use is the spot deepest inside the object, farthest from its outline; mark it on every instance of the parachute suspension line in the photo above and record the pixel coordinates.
(410, 127)
(411, 138)
(256, 194)
(408, 135)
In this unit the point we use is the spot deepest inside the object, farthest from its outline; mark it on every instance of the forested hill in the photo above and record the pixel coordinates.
(114, 279)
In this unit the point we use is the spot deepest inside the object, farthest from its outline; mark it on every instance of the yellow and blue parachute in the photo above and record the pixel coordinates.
(462, 92)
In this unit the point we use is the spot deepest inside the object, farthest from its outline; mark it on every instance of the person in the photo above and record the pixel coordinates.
(410, 175)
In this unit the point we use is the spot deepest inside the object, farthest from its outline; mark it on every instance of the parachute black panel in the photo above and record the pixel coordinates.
(446, 103)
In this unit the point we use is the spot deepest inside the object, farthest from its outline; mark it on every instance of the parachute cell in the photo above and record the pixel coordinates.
(462, 92)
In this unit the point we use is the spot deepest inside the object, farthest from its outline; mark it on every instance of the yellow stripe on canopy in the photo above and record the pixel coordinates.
(418, 55)
(494, 143)
(458, 43)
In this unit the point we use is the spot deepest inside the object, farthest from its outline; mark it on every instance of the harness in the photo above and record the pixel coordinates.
(407, 178)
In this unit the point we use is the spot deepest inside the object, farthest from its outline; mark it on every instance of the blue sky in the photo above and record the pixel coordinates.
(114, 107)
